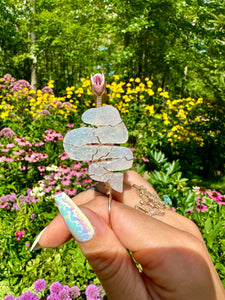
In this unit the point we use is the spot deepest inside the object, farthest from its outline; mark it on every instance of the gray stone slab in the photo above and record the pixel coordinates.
(104, 115)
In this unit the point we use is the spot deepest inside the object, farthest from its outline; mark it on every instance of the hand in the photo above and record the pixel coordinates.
(170, 249)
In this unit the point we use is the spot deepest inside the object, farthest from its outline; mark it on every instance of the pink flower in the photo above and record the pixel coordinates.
(70, 125)
(145, 159)
(38, 144)
(9, 159)
(98, 84)
(63, 156)
(215, 195)
(65, 181)
(27, 244)
(7, 132)
(5, 150)
(10, 145)
(51, 181)
(41, 168)
(64, 169)
(72, 191)
(201, 207)
(48, 189)
(19, 152)
(189, 211)
(77, 166)
(200, 199)
(221, 201)
(87, 181)
(22, 168)
(3, 158)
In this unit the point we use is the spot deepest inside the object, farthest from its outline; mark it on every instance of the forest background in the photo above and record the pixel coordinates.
(165, 70)
(179, 45)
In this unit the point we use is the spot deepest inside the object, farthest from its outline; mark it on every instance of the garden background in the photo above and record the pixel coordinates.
(164, 65)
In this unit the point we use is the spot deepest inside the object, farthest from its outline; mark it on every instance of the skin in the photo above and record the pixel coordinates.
(170, 249)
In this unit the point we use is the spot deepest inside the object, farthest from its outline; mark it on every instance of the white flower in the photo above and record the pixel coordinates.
(52, 168)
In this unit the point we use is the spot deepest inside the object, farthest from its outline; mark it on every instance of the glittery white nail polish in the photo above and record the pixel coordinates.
(77, 222)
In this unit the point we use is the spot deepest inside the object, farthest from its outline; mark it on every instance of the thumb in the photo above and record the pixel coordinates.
(107, 256)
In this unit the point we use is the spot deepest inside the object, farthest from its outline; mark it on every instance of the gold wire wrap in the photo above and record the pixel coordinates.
(150, 203)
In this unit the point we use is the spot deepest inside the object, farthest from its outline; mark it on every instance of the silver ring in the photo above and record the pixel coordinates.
(109, 208)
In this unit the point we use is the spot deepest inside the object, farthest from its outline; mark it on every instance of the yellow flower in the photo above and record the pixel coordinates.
(116, 77)
(164, 94)
(137, 80)
(166, 122)
(50, 84)
(199, 101)
(159, 89)
(169, 134)
(150, 92)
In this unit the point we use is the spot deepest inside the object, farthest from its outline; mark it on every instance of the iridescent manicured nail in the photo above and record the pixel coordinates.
(77, 222)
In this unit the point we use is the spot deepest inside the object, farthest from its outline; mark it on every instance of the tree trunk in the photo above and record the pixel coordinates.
(33, 50)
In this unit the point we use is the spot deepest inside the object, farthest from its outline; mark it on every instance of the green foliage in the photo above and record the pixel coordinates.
(5, 289)
(167, 179)
(208, 212)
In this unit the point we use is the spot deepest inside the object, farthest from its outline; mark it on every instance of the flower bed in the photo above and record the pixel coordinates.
(34, 167)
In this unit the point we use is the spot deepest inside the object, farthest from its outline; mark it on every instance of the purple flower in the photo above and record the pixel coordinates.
(9, 297)
(53, 297)
(64, 294)
(7, 132)
(40, 285)
(44, 112)
(56, 287)
(58, 103)
(92, 291)
(74, 291)
(8, 79)
(47, 90)
(19, 85)
(29, 296)
(33, 216)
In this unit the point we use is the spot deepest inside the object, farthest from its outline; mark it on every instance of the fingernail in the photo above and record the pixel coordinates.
(77, 222)
(36, 245)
